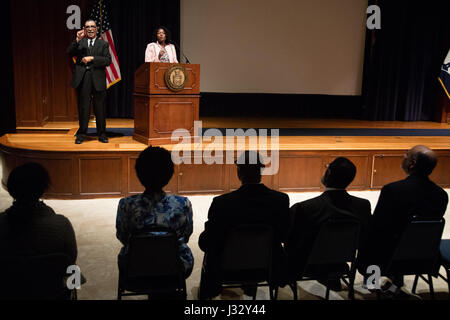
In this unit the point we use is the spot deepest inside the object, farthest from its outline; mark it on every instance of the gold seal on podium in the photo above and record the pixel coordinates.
(176, 78)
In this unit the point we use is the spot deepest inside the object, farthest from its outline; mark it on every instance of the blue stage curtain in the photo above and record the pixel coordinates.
(403, 60)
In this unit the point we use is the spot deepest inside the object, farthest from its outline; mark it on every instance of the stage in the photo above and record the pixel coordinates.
(96, 170)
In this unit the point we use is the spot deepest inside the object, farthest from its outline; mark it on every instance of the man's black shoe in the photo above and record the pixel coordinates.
(79, 140)
(103, 139)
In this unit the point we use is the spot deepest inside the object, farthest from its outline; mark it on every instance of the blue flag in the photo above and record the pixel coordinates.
(444, 77)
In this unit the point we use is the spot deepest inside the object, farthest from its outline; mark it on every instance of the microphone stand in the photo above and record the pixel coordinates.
(181, 51)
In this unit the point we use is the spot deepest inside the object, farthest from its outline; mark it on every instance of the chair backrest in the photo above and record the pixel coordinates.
(336, 242)
(248, 247)
(34, 277)
(154, 253)
(417, 251)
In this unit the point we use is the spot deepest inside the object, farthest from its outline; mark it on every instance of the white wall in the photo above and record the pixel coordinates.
(276, 46)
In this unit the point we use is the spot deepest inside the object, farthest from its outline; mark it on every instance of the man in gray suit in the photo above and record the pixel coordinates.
(89, 77)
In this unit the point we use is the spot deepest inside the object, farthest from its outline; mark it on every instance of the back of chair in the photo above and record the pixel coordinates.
(247, 248)
(154, 254)
(34, 277)
(417, 251)
(336, 242)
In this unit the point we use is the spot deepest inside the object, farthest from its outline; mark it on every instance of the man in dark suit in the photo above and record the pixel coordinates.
(252, 203)
(398, 203)
(307, 217)
(89, 77)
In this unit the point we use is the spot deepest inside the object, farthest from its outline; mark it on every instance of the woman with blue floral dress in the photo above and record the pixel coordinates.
(155, 208)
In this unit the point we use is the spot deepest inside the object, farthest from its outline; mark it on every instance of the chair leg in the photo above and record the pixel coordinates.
(271, 293)
(448, 278)
(293, 287)
(351, 286)
(416, 280)
(430, 283)
(378, 294)
(351, 289)
(274, 291)
(327, 294)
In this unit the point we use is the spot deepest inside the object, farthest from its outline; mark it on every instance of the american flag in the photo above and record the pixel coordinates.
(100, 15)
(444, 77)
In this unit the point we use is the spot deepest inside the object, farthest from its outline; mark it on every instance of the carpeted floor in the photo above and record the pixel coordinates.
(94, 224)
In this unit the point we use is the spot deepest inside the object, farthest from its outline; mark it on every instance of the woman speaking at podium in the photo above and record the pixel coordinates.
(160, 50)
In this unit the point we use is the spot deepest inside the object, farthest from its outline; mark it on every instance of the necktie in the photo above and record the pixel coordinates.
(90, 46)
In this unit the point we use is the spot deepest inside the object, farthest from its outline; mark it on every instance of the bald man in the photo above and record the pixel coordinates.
(399, 201)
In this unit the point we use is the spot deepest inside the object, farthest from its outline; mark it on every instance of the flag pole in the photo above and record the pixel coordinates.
(94, 119)
(101, 19)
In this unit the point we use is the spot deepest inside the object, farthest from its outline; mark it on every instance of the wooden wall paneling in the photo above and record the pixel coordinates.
(386, 169)
(27, 51)
(198, 179)
(62, 96)
(42, 68)
(169, 113)
(156, 117)
(141, 118)
(76, 175)
(441, 174)
(46, 57)
(300, 173)
(100, 175)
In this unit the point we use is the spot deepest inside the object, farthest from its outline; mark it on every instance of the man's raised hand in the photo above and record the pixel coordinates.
(80, 35)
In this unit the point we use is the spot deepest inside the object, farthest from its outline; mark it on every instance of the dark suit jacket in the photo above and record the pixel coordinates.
(250, 204)
(39, 232)
(397, 204)
(102, 59)
(308, 216)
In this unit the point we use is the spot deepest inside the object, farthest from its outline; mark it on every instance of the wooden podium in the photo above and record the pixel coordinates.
(158, 109)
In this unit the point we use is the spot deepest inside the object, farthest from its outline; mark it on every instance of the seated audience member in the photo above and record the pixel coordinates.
(29, 227)
(398, 203)
(308, 216)
(155, 208)
(252, 203)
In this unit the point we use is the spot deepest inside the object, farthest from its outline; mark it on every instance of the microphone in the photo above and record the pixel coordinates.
(181, 51)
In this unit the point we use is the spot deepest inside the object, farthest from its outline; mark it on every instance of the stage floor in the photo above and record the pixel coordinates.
(97, 170)
(59, 136)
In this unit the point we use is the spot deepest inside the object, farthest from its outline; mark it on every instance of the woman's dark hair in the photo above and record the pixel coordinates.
(154, 168)
(166, 31)
(28, 182)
